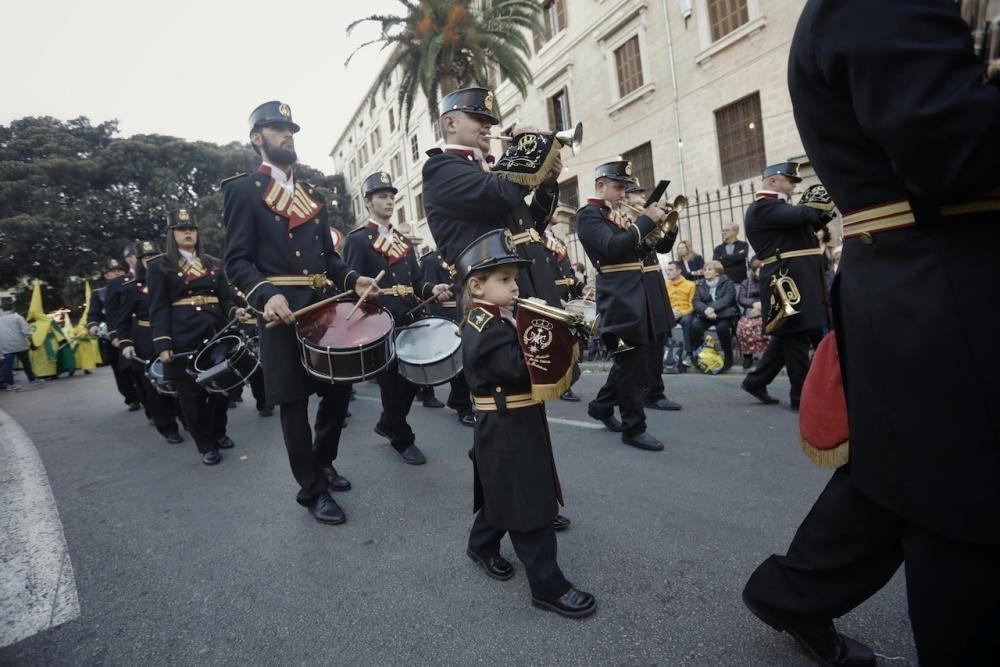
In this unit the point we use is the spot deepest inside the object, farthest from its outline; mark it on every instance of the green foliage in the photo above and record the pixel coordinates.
(441, 45)
(72, 195)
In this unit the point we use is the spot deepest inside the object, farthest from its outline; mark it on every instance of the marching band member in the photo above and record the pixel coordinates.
(516, 486)
(112, 303)
(135, 337)
(188, 299)
(99, 314)
(615, 246)
(249, 325)
(376, 247)
(279, 253)
(567, 285)
(434, 270)
(465, 199)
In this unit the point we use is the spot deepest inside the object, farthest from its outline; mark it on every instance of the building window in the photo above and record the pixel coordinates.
(396, 166)
(559, 118)
(724, 16)
(363, 156)
(569, 193)
(401, 215)
(392, 121)
(741, 139)
(420, 207)
(436, 129)
(553, 20)
(641, 158)
(414, 148)
(376, 140)
(354, 168)
(356, 205)
(628, 65)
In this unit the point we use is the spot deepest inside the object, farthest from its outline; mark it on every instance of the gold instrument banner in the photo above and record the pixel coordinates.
(528, 158)
(550, 350)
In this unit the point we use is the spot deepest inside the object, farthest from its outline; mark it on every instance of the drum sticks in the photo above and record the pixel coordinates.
(364, 295)
(310, 308)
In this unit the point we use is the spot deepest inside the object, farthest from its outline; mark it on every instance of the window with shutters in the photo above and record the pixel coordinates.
(392, 121)
(741, 139)
(725, 16)
(420, 206)
(641, 158)
(628, 66)
(396, 165)
(559, 118)
(414, 148)
(401, 215)
(553, 20)
(569, 193)
(376, 140)
(353, 168)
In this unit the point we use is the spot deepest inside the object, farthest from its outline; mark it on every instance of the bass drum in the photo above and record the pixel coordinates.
(335, 349)
(154, 371)
(224, 364)
(429, 351)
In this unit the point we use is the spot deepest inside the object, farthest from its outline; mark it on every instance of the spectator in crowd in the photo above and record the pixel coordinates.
(681, 292)
(715, 304)
(15, 340)
(829, 248)
(581, 273)
(691, 262)
(749, 330)
(732, 253)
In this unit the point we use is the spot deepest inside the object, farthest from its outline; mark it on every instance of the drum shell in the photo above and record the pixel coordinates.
(435, 371)
(241, 363)
(349, 362)
(154, 371)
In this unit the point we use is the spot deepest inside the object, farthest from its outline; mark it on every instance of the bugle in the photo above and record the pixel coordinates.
(572, 138)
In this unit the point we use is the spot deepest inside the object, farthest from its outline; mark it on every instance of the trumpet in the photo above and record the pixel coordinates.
(671, 222)
(785, 296)
(572, 138)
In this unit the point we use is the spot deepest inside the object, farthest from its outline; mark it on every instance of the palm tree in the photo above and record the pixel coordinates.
(442, 45)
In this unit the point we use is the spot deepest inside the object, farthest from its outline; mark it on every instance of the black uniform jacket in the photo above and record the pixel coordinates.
(185, 327)
(434, 270)
(724, 303)
(97, 313)
(891, 104)
(516, 480)
(735, 265)
(398, 260)
(112, 302)
(558, 258)
(622, 301)
(262, 241)
(463, 202)
(131, 319)
(660, 313)
(774, 226)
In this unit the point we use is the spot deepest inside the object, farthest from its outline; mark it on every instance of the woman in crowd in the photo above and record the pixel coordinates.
(715, 305)
(691, 262)
(749, 330)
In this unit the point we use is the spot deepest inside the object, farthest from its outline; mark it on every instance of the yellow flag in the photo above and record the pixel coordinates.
(86, 302)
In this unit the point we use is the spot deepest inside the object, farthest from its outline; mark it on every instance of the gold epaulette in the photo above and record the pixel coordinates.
(478, 318)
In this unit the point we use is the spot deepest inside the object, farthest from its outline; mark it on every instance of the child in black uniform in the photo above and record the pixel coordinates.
(516, 487)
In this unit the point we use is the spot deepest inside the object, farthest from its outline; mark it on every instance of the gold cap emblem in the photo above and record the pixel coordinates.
(488, 102)
(284, 110)
(508, 241)
(384, 177)
(628, 168)
(183, 215)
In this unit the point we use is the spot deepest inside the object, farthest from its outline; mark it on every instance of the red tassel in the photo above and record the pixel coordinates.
(823, 424)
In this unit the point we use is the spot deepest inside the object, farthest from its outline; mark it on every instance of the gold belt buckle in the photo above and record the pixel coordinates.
(318, 281)
(199, 300)
(534, 236)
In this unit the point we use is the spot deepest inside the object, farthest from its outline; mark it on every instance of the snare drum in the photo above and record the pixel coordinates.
(585, 308)
(224, 364)
(430, 351)
(335, 349)
(154, 371)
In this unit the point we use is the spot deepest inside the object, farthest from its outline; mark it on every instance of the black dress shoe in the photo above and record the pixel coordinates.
(610, 421)
(643, 441)
(173, 437)
(663, 404)
(760, 393)
(412, 455)
(335, 481)
(211, 457)
(326, 510)
(571, 604)
(348, 414)
(433, 402)
(560, 522)
(747, 362)
(817, 636)
(225, 442)
(132, 407)
(568, 395)
(467, 419)
(265, 412)
(794, 405)
(497, 567)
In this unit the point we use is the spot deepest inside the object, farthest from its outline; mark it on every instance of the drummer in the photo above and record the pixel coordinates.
(557, 256)
(248, 325)
(188, 299)
(434, 269)
(135, 340)
(369, 250)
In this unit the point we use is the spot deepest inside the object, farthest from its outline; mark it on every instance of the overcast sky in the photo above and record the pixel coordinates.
(192, 69)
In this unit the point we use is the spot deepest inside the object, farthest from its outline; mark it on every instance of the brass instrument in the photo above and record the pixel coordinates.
(671, 221)
(784, 297)
(572, 138)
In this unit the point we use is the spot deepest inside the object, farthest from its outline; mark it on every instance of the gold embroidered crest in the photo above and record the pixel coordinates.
(488, 102)
(478, 318)
(538, 336)
(628, 168)
(384, 177)
(526, 143)
(183, 215)
(508, 241)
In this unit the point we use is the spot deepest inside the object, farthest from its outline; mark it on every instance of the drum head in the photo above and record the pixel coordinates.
(330, 328)
(219, 351)
(427, 341)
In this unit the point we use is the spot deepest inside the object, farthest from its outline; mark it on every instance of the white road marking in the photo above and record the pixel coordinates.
(553, 420)
(37, 586)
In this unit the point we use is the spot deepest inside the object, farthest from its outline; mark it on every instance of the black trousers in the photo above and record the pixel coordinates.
(723, 327)
(397, 399)
(655, 389)
(788, 350)
(109, 353)
(625, 388)
(848, 548)
(458, 396)
(137, 377)
(205, 413)
(162, 409)
(256, 388)
(308, 452)
(536, 549)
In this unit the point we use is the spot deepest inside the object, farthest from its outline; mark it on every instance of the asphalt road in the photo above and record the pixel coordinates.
(179, 563)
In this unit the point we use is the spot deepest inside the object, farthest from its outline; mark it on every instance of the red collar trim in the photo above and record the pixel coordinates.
(593, 201)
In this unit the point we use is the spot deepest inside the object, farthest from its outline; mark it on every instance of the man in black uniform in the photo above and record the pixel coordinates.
(465, 200)
(615, 246)
(373, 248)
(566, 284)
(435, 270)
(112, 304)
(109, 353)
(902, 127)
(784, 237)
(661, 314)
(279, 253)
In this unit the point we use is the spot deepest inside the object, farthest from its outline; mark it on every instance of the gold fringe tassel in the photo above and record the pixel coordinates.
(534, 179)
(548, 392)
(827, 458)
